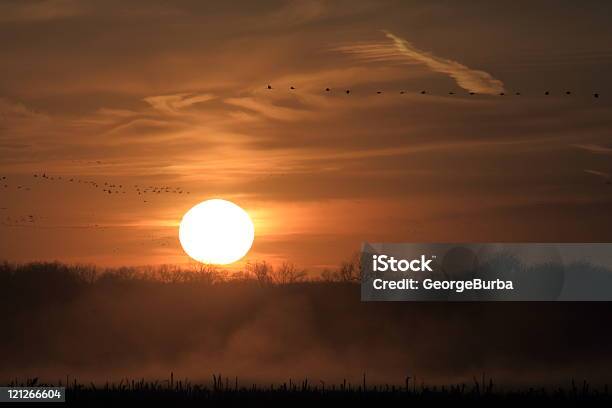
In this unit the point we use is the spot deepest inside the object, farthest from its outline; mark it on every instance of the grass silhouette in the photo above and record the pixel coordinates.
(224, 390)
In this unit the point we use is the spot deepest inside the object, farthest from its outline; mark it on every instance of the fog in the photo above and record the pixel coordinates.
(58, 323)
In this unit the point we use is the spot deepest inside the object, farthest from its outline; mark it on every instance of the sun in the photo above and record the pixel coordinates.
(216, 232)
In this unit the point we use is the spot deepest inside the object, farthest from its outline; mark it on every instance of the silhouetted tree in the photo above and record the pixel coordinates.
(328, 275)
(350, 271)
(261, 270)
(286, 273)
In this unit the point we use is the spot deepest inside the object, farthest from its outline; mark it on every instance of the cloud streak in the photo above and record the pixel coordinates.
(45, 10)
(593, 148)
(401, 50)
(598, 173)
(268, 109)
(172, 104)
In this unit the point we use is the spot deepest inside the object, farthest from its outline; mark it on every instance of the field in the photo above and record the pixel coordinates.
(279, 336)
(226, 391)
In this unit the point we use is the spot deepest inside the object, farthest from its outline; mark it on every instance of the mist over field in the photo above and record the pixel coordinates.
(142, 142)
(60, 322)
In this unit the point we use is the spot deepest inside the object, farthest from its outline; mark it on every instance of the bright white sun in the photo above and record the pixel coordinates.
(216, 232)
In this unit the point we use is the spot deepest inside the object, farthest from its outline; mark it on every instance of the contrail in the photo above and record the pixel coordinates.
(467, 78)
(402, 50)
(598, 173)
(593, 148)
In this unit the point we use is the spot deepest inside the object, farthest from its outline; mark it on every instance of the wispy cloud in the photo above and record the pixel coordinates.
(598, 173)
(401, 50)
(268, 109)
(10, 108)
(593, 148)
(300, 12)
(40, 10)
(174, 103)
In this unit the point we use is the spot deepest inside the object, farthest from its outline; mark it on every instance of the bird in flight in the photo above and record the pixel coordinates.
(327, 89)
(269, 86)
(348, 91)
(292, 87)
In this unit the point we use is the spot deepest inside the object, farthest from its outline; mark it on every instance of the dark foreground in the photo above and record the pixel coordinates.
(224, 391)
(93, 325)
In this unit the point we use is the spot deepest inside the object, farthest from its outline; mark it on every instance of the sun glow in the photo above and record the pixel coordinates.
(216, 232)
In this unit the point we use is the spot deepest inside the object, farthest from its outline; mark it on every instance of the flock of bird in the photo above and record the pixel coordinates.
(19, 220)
(5, 184)
(114, 188)
(424, 92)
(34, 221)
(107, 188)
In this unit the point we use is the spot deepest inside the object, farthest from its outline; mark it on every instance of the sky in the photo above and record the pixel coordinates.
(174, 94)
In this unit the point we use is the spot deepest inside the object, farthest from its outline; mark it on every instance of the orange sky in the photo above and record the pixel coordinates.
(154, 94)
